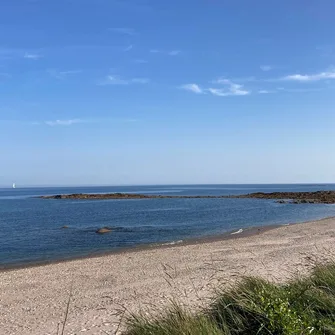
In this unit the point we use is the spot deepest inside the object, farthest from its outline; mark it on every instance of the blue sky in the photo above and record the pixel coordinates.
(112, 92)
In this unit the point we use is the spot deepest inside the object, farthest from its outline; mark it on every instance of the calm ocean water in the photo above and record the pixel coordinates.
(30, 228)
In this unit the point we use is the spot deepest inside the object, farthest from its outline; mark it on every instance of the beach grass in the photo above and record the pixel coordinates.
(253, 306)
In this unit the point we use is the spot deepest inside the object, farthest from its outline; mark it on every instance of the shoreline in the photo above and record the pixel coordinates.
(98, 290)
(229, 235)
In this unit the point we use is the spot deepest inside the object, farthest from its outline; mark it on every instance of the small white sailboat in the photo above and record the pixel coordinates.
(14, 186)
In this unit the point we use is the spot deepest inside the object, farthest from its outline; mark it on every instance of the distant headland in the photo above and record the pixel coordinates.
(120, 196)
(319, 197)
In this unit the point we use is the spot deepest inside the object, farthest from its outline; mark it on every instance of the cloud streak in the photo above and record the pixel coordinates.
(192, 88)
(169, 53)
(310, 77)
(71, 122)
(128, 48)
(32, 56)
(233, 90)
(299, 90)
(265, 92)
(227, 88)
(67, 123)
(117, 80)
(140, 61)
(266, 68)
(230, 89)
(174, 53)
(62, 74)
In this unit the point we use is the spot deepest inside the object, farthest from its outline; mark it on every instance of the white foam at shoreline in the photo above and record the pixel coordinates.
(237, 232)
(172, 243)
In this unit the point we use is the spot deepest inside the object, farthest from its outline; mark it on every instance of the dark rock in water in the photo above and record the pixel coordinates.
(122, 196)
(282, 202)
(103, 230)
(304, 201)
(318, 197)
(65, 227)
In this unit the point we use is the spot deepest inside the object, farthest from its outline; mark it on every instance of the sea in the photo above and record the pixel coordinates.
(31, 228)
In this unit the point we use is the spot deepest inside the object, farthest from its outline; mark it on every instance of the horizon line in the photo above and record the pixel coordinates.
(139, 185)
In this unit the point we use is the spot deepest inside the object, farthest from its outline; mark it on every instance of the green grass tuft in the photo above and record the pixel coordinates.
(177, 321)
(254, 306)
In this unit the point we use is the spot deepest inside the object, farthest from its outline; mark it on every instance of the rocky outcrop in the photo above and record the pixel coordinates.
(103, 230)
(318, 197)
(120, 196)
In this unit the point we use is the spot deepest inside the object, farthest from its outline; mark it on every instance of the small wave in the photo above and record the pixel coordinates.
(237, 232)
(164, 209)
(173, 242)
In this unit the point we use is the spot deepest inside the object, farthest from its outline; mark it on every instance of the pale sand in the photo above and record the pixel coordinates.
(33, 300)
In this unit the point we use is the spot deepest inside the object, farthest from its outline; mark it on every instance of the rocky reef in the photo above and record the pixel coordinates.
(116, 196)
(319, 197)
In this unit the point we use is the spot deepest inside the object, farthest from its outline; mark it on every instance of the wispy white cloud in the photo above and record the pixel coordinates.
(221, 81)
(266, 68)
(140, 61)
(128, 48)
(192, 88)
(169, 53)
(69, 122)
(231, 89)
(221, 92)
(265, 91)
(299, 90)
(125, 31)
(139, 81)
(32, 56)
(62, 74)
(9, 53)
(174, 52)
(311, 77)
(117, 80)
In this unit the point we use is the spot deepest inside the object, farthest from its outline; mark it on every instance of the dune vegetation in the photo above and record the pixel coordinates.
(253, 306)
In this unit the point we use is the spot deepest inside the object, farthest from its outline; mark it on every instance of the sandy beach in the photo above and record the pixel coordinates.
(33, 300)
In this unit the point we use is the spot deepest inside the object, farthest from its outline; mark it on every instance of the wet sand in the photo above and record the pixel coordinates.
(239, 233)
(33, 299)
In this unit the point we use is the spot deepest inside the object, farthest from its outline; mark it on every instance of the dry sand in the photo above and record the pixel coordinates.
(33, 300)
